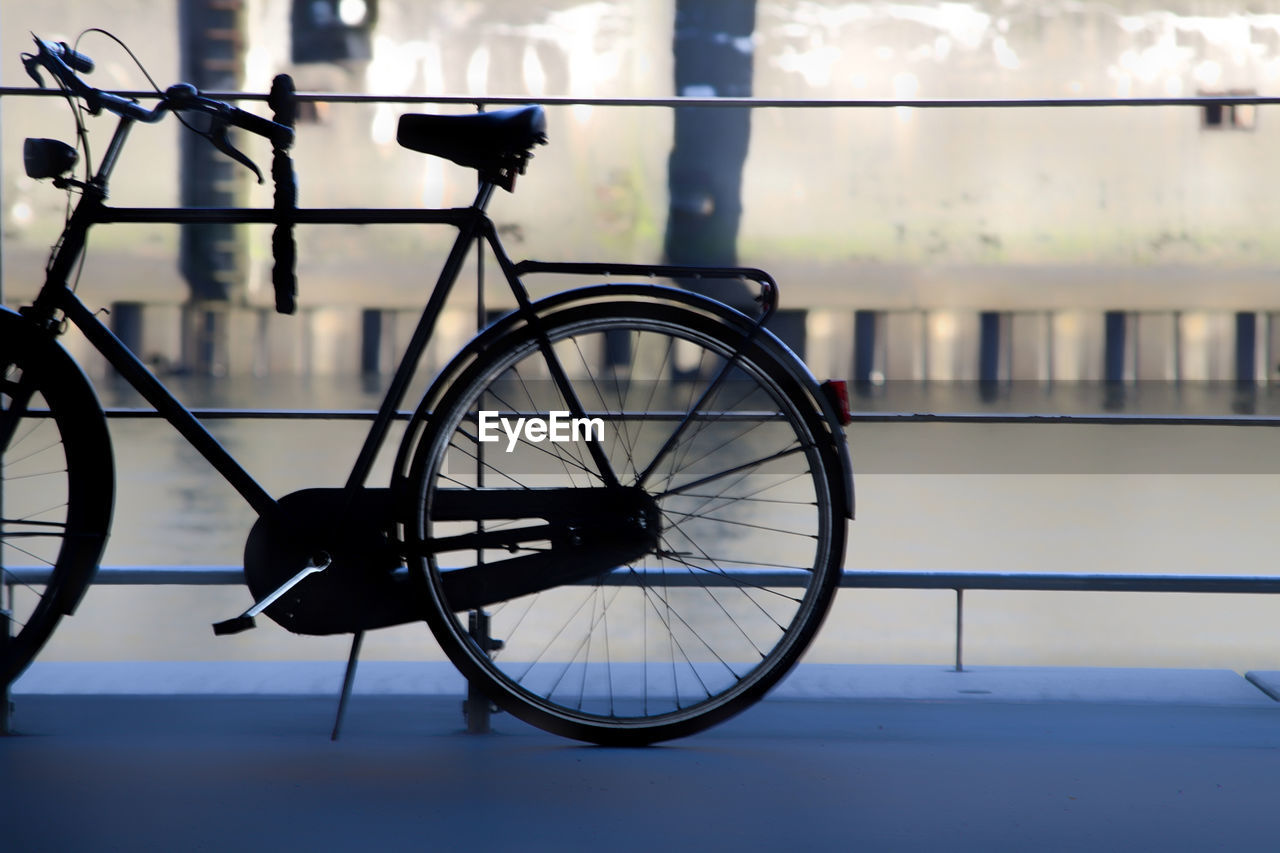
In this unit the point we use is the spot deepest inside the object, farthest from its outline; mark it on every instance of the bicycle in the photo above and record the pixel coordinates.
(651, 559)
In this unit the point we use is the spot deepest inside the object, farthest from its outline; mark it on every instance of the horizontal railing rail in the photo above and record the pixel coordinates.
(956, 581)
(851, 578)
(866, 417)
(739, 103)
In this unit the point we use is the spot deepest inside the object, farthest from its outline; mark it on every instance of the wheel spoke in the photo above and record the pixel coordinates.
(767, 528)
(728, 472)
(723, 454)
(55, 487)
(717, 569)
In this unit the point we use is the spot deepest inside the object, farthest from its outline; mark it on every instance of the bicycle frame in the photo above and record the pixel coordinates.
(537, 539)
(473, 225)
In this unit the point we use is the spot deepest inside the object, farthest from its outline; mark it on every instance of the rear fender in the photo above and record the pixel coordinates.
(622, 291)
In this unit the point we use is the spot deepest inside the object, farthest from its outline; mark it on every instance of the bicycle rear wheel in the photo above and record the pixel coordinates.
(687, 602)
(56, 487)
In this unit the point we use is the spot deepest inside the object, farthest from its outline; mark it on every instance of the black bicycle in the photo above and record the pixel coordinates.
(621, 509)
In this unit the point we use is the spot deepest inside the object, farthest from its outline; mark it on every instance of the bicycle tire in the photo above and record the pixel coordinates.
(708, 612)
(56, 488)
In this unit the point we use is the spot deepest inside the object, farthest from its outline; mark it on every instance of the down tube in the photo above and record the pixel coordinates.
(146, 384)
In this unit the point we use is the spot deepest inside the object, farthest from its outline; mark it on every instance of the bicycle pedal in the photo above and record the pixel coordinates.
(234, 626)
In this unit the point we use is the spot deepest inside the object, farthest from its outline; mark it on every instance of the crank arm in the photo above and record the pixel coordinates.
(245, 620)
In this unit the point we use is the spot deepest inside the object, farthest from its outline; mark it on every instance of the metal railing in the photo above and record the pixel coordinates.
(857, 417)
(735, 103)
(958, 582)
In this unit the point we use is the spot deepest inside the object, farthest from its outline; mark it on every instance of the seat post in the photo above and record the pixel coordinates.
(483, 194)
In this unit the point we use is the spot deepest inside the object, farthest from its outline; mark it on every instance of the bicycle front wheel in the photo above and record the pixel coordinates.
(694, 549)
(56, 487)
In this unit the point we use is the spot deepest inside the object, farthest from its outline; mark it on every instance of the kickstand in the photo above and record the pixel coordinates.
(6, 704)
(347, 680)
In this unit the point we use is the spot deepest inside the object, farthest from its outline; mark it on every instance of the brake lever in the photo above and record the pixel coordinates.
(32, 64)
(218, 136)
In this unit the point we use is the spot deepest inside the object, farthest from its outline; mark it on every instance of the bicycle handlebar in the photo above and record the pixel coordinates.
(184, 96)
(78, 61)
(63, 63)
(284, 250)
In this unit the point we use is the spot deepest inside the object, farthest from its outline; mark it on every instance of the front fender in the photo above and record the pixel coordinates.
(87, 444)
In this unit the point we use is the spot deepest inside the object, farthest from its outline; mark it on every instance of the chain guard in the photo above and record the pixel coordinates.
(363, 588)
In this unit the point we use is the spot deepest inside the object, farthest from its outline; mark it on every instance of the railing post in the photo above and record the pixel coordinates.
(867, 349)
(959, 629)
(6, 706)
(477, 708)
(994, 352)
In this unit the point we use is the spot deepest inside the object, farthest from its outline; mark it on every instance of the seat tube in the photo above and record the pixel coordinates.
(478, 225)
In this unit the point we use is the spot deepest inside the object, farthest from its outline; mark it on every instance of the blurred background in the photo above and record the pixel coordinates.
(1036, 245)
(1083, 259)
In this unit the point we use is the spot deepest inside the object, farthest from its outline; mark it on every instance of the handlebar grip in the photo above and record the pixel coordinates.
(284, 249)
(74, 58)
(283, 101)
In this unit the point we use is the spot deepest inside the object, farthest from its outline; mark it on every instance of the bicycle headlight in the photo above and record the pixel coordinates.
(48, 158)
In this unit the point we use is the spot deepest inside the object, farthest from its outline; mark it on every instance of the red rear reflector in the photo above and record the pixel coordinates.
(837, 391)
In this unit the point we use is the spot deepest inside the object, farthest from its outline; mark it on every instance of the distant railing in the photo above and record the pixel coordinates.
(1089, 419)
(739, 103)
(959, 582)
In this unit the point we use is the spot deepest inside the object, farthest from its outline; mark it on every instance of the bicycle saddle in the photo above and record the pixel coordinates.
(498, 144)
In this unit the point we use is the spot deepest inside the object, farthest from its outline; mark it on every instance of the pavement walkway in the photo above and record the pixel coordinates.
(807, 681)
(993, 759)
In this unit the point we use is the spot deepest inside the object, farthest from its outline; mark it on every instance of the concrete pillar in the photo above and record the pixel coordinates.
(868, 350)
